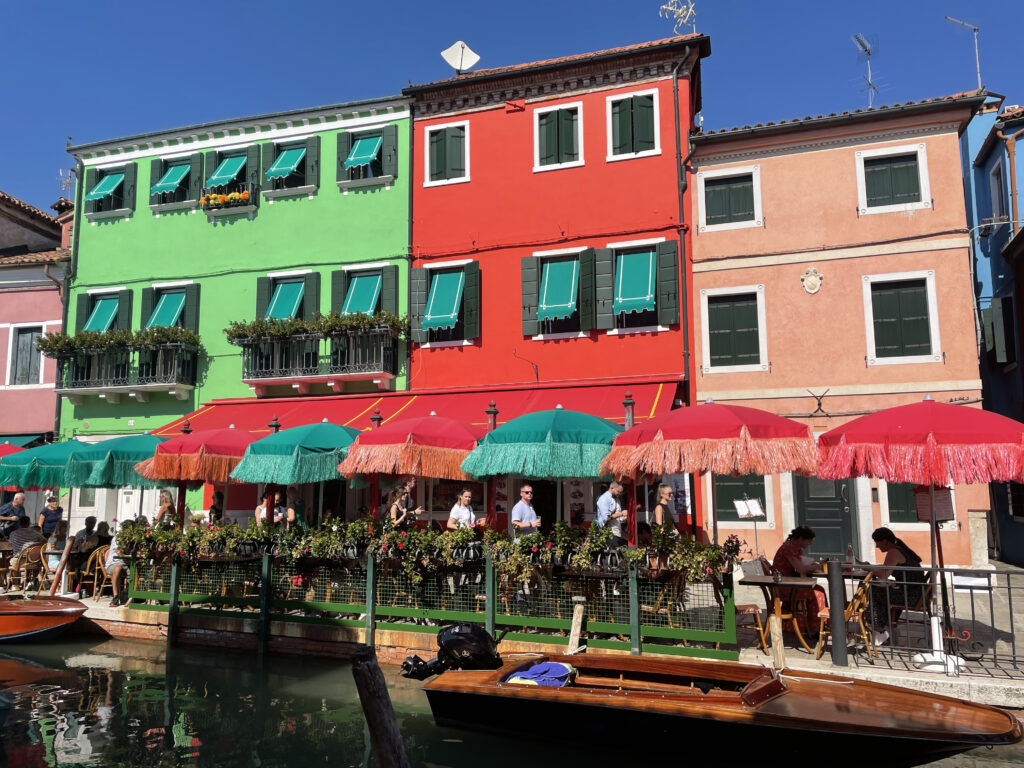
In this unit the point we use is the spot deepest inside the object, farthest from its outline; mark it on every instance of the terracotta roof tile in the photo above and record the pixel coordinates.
(38, 257)
(1012, 114)
(29, 209)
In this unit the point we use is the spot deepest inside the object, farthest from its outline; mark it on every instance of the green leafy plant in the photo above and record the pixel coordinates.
(55, 345)
(333, 324)
(597, 540)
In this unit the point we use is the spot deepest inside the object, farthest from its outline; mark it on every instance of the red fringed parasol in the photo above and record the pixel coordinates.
(721, 439)
(6, 449)
(428, 446)
(207, 456)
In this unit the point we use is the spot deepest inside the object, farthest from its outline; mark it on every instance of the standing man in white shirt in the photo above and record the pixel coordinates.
(610, 513)
(524, 517)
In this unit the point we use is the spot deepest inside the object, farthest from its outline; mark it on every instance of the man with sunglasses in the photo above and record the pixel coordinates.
(524, 517)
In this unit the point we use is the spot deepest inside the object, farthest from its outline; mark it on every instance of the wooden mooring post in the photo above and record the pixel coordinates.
(172, 609)
(380, 715)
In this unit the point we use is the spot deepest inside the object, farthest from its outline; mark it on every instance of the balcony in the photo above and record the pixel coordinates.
(307, 359)
(237, 198)
(136, 372)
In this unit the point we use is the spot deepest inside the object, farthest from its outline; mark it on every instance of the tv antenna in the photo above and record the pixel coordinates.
(64, 180)
(682, 11)
(974, 29)
(866, 51)
(459, 57)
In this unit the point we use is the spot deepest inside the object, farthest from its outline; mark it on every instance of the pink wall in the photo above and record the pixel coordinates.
(28, 409)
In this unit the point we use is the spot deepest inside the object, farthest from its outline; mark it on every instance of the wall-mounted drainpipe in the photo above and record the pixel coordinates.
(409, 247)
(1011, 150)
(681, 187)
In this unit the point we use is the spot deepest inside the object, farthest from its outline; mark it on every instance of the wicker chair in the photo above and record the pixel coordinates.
(853, 615)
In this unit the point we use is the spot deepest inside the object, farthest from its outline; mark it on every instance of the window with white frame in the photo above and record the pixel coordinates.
(997, 190)
(26, 364)
(730, 198)
(558, 137)
(632, 125)
(733, 333)
(901, 318)
(893, 179)
(446, 154)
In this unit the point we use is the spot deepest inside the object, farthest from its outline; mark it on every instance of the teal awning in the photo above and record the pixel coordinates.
(286, 163)
(103, 313)
(228, 169)
(106, 187)
(634, 281)
(558, 289)
(444, 301)
(168, 309)
(364, 151)
(286, 301)
(170, 180)
(363, 292)
(19, 440)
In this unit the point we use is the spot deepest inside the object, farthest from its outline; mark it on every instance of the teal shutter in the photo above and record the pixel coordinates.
(92, 177)
(586, 302)
(252, 169)
(471, 302)
(389, 289)
(312, 161)
(190, 315)
(310, 295)
(530, 271)
(728, 489)
(547, 138)
(131, 172)
(437, 155)
(339, 287)
(604, 288)
(147, 299)
(344, 147)
(123, 322)
(643, 123)
(733, 333)
(264, 286)
(269, 152)
(418, 284)
(668, 283)
(195, 176)
(82, 309)
(568, 135)
(622, 127)
(389, 151)
(156, 169)
(455, 152)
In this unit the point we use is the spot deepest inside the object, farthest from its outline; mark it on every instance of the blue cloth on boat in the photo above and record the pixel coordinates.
(549, 673)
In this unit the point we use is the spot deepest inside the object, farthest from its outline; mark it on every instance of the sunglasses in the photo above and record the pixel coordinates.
(527, 493)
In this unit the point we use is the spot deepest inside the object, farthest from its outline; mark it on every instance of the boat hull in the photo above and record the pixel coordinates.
(35, 619)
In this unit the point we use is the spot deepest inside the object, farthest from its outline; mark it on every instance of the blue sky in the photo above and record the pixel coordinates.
(98, 69)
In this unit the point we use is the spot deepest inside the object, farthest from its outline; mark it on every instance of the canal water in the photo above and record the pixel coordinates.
(86, 702)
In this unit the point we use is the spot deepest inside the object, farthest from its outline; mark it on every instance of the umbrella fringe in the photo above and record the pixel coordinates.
(295, 468)
(404, 459)
(189, 467)
(741, 455)
(109, 473)
(549, 460)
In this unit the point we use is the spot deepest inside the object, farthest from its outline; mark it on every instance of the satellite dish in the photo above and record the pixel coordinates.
(459, 57)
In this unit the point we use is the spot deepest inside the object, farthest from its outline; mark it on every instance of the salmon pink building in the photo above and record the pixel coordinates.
(832, 278)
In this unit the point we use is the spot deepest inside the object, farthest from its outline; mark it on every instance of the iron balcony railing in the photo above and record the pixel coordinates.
(234, 194)
(355, 353)
(169, 364)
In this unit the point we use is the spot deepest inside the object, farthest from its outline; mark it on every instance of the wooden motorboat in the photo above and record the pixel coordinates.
(735, 712)
(37, 618)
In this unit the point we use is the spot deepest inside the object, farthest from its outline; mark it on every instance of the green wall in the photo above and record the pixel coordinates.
(226, 257)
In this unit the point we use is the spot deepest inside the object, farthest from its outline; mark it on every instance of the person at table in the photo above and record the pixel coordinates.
(295, 512)
(462, 515)
(907, 586)
(791, 560)
(216, 513)
(165, 514)
(50, 515)
(115, 566)
(273, 516)
(611, 514)
(83, 536)
(663, 509)
(103, 536)
(11, 514)
(402, 517)
(25, 536)
(524, 516)
(56, 543)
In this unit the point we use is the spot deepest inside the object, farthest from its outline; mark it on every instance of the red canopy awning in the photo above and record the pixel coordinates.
(604, 400)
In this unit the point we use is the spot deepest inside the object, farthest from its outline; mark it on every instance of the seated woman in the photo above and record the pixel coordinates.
(56, 543)
(791, 560)
(907, 587)
(103, 533)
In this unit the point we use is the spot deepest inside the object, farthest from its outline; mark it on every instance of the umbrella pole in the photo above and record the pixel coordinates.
(224, 511)
(631, 515)
(181, 504)
(320, 510)
(142, 493)
(714, 512)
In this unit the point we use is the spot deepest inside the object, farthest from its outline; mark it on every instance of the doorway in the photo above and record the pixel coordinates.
(545, 502)
(826, 507)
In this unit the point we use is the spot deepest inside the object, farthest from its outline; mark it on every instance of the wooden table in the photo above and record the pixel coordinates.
(774, 585)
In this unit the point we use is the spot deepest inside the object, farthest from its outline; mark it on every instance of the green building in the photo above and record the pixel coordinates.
(292, 223)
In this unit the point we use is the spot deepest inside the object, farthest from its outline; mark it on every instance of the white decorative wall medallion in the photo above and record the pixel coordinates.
(812, 280)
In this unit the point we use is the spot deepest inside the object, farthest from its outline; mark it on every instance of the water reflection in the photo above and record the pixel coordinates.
(117, 704)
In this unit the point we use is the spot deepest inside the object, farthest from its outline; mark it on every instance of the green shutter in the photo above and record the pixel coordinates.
(26, 362)
(147, 300)
(892, 180)
(906, 183)
(588, 317)
(471, 302)
(437, 155)
(604, 288)
(389, 151)
(269, 152)
(389, 289)
(902, 507)
(195, 176)
(156, 170)
(339, 289)
(264, 286)
(312, 161)
(900, 318)
(547, 138)
(91, 177)
(190, 317)
(728, 489)
(344, 147)
(210, 162)
(530, 271)
(310, 295)
(568, 135)
(455, 152)
(716, 202)
(82, 309)
(252, 169)
(668, 283)
(128, 186)
(643, 123)
(741, 199)
(729, 200)
(124, 310)
(622, 127)
(418, 283)
(733, 333)
(1004, 340)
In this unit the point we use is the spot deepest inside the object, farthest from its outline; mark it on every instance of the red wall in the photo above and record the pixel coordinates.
(507, 211)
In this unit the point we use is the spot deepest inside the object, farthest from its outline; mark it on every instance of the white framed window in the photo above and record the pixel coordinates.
(558, 137)
(893, 179)
(633, 125)
(733, 329)
(446, 154)
(726, 517)
(901, 318)
(997, 189)
(24, 361)
(730, 198)
(897, 504)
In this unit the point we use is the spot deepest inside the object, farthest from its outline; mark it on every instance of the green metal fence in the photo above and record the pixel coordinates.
(638, 611)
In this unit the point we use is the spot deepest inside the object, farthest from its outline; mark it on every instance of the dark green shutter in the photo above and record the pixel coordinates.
(195, 176)
(668, 283)
(988, 331)
(877, 183)
(82, 310)
(716, 202)
(26, 363)
(643, 123)
(586, 301)
(604, 288)
(190, 315)
(906, 183)
(902, 506)
(252, 169)
(530, 271)
(568, 135)
(389, 289)
(418, 283)
(471, 301)
(156, 170)
(728, 488)
(339, 288)
(131, 172)
(344, 147)
(455, 152)
(389, 151)
(147, 298)
(269, 152)
(547, 138)
(310, 295)
(622, 127)
(892, 180)
(1004, 340)
(437, 155)
(124, 310)
(264, 285)
(91, 179)
(312, 161)
(741, 199)
(212, 160)
(733, 332)
(729, 200)
(900, 318)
